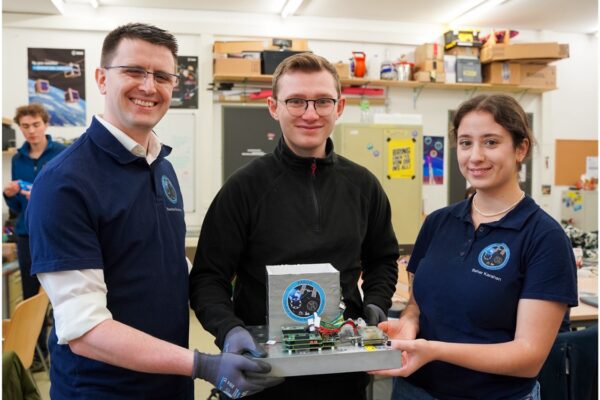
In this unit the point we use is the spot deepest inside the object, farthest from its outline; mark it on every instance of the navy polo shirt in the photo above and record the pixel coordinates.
(97, 205)
(468, 284)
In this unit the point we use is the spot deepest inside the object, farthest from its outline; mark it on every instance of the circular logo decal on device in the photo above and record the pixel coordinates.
(302, 299)
(169, 189)
(495, 256)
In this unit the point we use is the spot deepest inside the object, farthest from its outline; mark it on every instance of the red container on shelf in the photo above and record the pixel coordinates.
(360, 63)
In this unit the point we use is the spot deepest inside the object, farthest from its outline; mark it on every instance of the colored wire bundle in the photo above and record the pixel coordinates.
(331, 327)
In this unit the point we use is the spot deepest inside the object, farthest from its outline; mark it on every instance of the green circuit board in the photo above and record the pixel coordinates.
(297, 339)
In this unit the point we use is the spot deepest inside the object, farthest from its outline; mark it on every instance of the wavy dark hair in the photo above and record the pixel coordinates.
(507, 112)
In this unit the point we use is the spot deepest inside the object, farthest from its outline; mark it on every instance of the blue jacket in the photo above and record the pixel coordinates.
(26, 168)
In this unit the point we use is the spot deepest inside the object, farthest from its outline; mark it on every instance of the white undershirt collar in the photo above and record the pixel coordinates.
(131, 145)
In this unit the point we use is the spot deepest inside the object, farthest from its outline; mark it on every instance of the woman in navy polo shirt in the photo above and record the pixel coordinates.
(493, 274)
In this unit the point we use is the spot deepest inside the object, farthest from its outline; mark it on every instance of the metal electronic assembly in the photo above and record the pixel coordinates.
(305, 352)
(307, 333)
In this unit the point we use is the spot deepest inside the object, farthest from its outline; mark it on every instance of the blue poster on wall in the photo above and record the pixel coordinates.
(56, 79)
(433, 160)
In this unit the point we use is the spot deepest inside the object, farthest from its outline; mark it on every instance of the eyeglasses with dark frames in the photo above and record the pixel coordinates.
(297, 106)
(140, 74)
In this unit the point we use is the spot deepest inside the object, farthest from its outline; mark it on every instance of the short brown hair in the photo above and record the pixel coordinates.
(145, 32)
(305, 62)
(33, 110)
(507, 112)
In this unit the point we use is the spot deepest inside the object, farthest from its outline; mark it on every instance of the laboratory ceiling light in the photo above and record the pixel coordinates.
(60, 5)
(92, 3)
(479, 9)
(290, 7)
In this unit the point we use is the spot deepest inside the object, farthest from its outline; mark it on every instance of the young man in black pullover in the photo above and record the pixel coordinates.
(301, 204)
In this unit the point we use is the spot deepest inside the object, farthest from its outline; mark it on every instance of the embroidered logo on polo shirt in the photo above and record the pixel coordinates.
(494, 257)
(169, 189)
(302, 299)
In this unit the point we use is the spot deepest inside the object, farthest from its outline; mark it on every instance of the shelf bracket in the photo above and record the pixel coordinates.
(416, 93)
(522, 94)
(469, 93)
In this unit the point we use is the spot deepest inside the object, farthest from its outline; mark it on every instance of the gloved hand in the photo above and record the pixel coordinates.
(373, 314)
(227, 371)
(239, 341)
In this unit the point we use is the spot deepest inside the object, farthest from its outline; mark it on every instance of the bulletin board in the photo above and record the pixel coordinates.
(570, 159)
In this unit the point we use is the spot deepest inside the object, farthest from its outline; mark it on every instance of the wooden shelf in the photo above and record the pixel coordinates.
(374, 101)
(486, 86)
(345, 82)
(243, 78)
(397, 84)
(380, 83)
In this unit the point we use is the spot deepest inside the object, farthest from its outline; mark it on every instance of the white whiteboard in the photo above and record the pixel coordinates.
(178, 130)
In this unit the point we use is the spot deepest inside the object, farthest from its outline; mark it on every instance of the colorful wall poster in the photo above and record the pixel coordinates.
(433, 160)
(56, 79)
(401, 159)
(185, 94)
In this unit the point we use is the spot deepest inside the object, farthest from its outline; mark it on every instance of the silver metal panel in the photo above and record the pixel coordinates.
(316, 287)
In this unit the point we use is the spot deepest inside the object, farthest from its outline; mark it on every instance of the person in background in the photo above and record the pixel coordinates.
(493, 274)
(38, 149)
(107, 229)
(32, 156)
(301, 204)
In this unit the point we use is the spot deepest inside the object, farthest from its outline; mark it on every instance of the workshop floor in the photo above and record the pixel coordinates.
(199, 339)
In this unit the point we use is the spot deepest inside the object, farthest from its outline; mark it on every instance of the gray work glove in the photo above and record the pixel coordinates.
(227, 371)
(373, 314)
(239, 341)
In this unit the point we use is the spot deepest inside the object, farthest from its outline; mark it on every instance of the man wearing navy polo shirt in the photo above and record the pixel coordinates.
(107, 236)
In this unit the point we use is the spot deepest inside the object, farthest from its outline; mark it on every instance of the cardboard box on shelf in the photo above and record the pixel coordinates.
(468, 70)
(430, 65)
(239, 47)
(257, 45)
(502, 73)
(538, 76)
(429, 76)
(243, 54)
(463, 51)
(525, 52)
(530, 75)
(343, 70)
(428, 51)
(236, 66)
